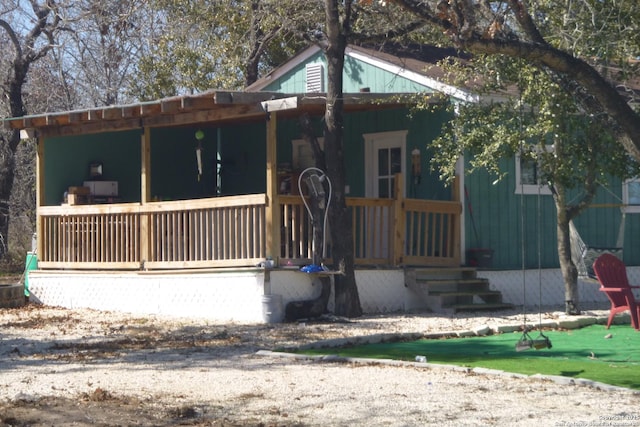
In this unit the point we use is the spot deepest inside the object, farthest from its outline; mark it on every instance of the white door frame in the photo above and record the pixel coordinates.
(375, 141)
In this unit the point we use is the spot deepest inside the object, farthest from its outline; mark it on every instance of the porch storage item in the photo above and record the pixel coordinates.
(31, 263)
(480, 258)
(78, 195)
(272, 311)
(102, 188)
(612, 275)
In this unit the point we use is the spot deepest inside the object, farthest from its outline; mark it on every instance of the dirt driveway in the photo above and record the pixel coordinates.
(62, 367)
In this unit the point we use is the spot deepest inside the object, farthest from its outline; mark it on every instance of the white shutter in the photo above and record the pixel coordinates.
(315, 78)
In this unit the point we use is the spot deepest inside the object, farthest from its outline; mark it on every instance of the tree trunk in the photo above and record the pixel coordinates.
(347, 300)
(25, 50)
(10, 145)
(567, 267)
(7, 174)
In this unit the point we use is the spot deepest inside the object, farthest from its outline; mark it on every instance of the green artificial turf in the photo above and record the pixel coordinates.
(579, 353)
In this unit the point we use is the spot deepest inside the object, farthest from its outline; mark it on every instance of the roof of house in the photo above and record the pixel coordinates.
(422, 64)
(213, 106)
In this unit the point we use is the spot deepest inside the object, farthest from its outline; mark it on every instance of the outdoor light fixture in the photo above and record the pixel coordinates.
(416, 168)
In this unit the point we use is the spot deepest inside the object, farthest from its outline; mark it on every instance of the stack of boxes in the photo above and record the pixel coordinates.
(78, 195)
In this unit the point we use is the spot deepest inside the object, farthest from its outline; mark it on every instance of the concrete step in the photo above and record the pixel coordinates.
(454, 289)
(443, 273)
(453, 285)
(480, 293)
(480, 307)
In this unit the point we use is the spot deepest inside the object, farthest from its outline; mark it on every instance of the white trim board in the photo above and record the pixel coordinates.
(413, 76)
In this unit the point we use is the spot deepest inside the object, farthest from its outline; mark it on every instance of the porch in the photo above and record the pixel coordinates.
(242, 231)
(191, 245)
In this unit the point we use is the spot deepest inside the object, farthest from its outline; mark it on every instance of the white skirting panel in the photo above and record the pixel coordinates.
(238, 295)
(234, 296)
(547, 285)
(225, 296)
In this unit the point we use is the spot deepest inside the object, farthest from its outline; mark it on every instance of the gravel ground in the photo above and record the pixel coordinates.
(65, 367)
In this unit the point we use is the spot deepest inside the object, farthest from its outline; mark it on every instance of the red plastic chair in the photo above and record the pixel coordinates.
(612, 275)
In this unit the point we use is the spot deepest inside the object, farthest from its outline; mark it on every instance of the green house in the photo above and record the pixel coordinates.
(509, 225)
(192, 205)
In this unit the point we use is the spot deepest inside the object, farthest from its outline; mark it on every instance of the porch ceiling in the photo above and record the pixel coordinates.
(208, 107)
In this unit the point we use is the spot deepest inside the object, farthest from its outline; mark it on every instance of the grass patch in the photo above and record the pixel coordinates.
(579, 353)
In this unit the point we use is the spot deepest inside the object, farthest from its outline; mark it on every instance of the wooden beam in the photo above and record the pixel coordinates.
(145, 195)
(273, 205)
(198, 102)
(399, 222)
(75, 117)
(94, 114)
(40, 192)
(130, 111)
(170, 106)
(222, 97)
(112, 113)
(271, 106)
(145, 166)
(149, 109)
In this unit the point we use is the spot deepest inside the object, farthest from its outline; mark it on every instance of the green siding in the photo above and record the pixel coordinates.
(242, 161)
(511, 224)
(422, 128)
(174, 170)
(357, 75)
(67, 163)
(501, 215)
(295, 81)
(244, 156)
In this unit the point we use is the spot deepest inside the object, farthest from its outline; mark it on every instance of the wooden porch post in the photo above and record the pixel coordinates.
(273, 206)
(145, 194)
(40, 191)
(399, 222)
(457, 224)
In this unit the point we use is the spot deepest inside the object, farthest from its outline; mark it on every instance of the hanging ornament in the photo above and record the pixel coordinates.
(199, 138)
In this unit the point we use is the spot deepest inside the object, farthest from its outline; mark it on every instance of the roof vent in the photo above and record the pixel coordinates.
(315, 78)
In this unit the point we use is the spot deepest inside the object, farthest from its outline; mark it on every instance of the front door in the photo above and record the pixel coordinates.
(384, 158)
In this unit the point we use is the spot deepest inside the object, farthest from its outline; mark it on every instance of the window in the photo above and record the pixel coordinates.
(631, 195)
(529, 176)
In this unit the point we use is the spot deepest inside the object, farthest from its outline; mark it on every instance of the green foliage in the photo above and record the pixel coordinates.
(526, 111)
(212, 45)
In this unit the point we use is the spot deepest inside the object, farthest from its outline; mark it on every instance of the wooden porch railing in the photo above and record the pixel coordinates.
(433, 233)
(231, 231)
(215, 232)
(93, 236)
(385, 232)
